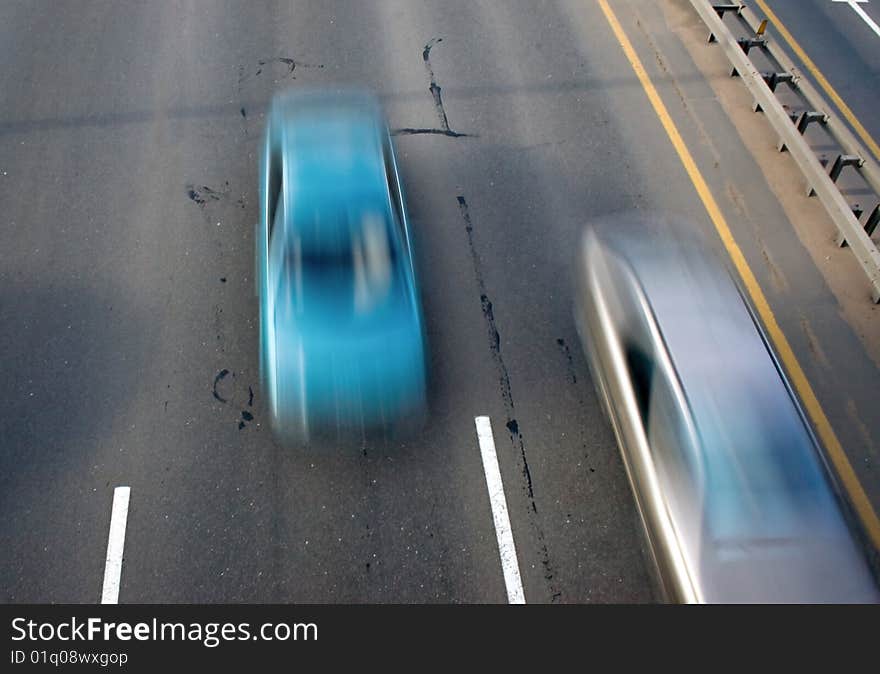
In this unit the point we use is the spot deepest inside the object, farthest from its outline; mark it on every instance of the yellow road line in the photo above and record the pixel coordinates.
(820, 78)
(798, 379)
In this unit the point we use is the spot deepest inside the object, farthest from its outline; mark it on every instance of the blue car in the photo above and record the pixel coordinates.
(342, 341)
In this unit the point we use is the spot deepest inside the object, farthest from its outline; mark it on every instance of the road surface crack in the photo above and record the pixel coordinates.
(513, 428)
(434, 88)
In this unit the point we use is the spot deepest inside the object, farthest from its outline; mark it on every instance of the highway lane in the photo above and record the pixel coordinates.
(129, 141)
(843, 48)
(135, 131)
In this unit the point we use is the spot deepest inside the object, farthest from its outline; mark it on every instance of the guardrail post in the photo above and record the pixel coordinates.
(720, 8)
(841, 161)
(873, 219)
(748, 42)
(808, 118)
(772, 80)
(840, 239)
(803, 121)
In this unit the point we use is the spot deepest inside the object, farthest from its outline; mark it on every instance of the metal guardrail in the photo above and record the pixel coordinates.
(791, 129)
(820, 111)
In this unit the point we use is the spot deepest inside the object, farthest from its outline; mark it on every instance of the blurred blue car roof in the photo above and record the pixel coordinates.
(334, 166)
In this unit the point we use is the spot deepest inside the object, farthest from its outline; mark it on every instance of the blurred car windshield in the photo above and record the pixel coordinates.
(339, 262)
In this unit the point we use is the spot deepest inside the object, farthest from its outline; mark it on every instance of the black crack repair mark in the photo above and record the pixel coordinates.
(434, 88)
(289, 62)
(286, 61)
(571, 372)
(517, 439)
(516, 436)
(488, 312)
(241, 78)
(220, 376)
(204, 194)
(408, 131)
(246, 416)
(218, 326)
(494, 337)
(469, 228)
(245, 74)
(567, 353)
(495, 348)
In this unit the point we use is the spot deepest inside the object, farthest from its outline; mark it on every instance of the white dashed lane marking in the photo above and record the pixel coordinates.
(503, 532)
(115, 546)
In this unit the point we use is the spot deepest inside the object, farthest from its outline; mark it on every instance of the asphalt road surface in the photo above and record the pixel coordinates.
(129, 140)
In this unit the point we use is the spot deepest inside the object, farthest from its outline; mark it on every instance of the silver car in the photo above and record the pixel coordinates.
(737, 502)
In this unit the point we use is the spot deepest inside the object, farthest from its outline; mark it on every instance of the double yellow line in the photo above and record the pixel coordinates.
(799, 380)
